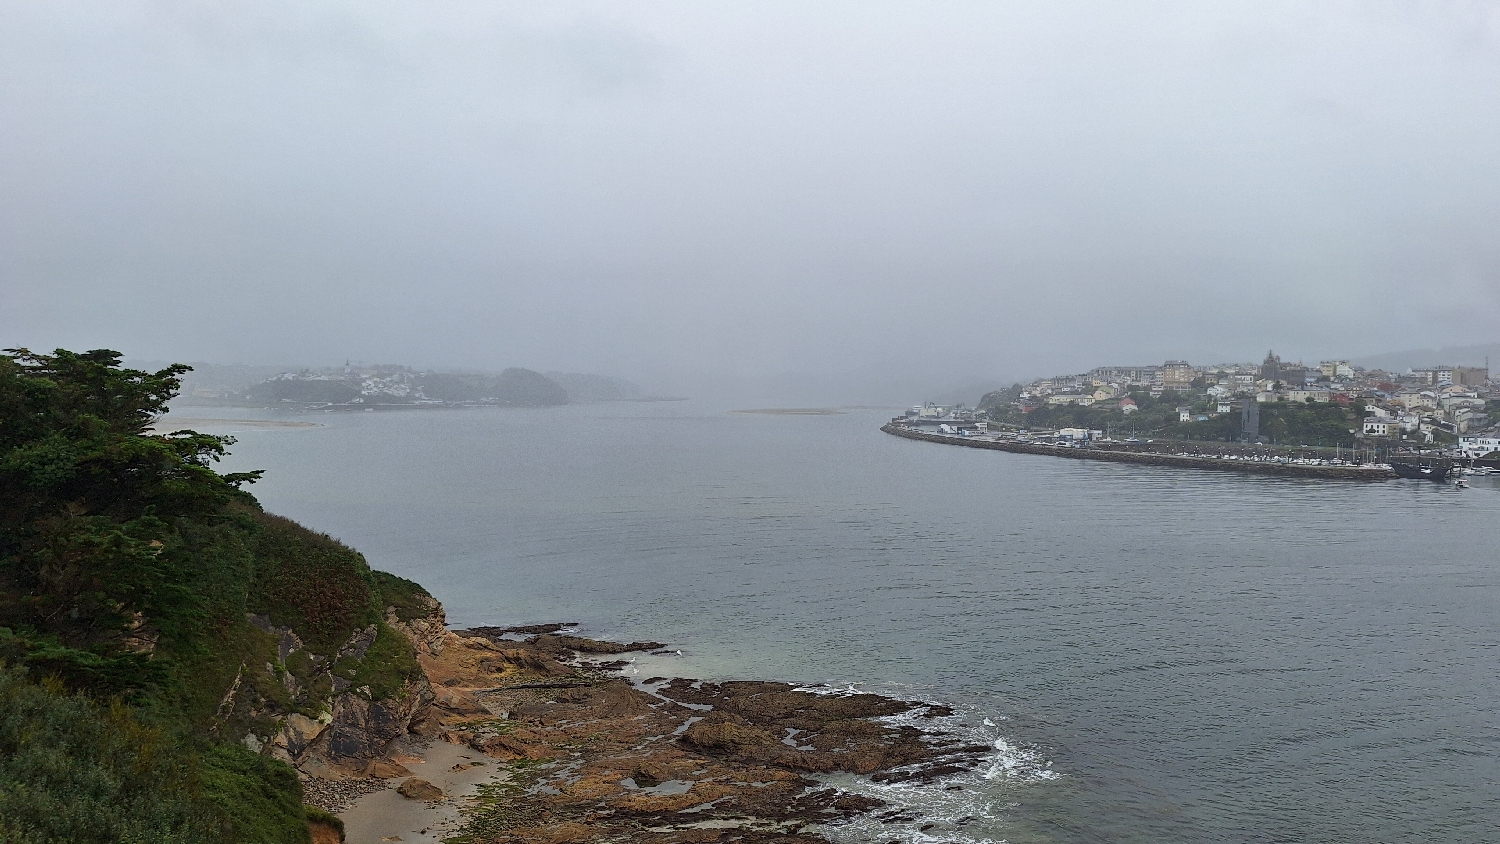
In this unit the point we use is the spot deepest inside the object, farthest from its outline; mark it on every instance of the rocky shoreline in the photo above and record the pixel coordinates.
(581, 754)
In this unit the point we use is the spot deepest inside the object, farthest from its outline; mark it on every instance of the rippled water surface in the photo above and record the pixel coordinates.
(1199, 657)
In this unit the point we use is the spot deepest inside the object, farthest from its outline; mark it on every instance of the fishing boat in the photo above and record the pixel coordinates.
(1423, 468)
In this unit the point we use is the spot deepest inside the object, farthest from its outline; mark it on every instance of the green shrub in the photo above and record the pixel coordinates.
(407, 597)
(386, 667)
(311, 582)
(259, 798)
(71, 770)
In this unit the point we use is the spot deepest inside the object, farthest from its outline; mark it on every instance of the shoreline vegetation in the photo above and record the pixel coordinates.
(1154, 458)
(178, 665)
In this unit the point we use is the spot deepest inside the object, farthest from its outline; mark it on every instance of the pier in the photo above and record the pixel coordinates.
(1258, 467)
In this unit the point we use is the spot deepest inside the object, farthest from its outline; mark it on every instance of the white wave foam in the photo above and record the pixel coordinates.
(1015, 762)
(823, 689)
(971, 806)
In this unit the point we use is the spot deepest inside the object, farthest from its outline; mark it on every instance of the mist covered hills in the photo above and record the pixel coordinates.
(1447, 355)
(394, 385)
(400, 386)
(519, 387)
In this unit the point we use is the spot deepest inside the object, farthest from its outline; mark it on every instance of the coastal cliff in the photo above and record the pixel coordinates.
(178, 665)
(180, 647)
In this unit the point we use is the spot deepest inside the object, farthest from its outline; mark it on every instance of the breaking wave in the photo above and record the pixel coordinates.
(973, 806)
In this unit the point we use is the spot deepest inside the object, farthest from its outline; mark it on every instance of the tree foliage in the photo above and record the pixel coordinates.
(93, 507)
(131, 573)
(117, 547)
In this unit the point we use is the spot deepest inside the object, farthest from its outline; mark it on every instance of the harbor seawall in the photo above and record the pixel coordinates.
(1302, 470)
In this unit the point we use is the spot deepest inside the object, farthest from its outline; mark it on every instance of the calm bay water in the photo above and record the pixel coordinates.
(1199, 657)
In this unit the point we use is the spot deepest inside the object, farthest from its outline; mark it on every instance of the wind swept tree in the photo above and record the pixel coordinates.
(95, 513)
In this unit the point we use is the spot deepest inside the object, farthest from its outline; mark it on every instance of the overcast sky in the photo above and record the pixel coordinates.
(657, 190)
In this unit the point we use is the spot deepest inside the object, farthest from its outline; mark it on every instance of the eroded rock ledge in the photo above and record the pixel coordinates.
(592, 757)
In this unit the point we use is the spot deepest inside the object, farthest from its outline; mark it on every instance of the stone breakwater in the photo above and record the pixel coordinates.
(1258, 467)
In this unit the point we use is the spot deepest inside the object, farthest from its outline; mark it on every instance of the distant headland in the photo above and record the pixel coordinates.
(391, 386)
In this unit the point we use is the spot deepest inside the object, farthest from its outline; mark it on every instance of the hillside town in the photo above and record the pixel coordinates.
(1333, 404)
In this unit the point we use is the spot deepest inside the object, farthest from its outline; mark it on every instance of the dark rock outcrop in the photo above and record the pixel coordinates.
(362, 729)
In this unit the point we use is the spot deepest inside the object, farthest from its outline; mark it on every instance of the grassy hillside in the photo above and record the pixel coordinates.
(156, 626)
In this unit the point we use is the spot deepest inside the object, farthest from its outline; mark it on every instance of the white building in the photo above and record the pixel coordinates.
(1478, 446)
(1079, 434)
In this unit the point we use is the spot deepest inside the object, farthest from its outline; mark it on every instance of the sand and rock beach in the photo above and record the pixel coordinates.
(535, 736)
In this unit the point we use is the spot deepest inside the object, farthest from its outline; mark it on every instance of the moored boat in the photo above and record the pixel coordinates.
(1423, 468)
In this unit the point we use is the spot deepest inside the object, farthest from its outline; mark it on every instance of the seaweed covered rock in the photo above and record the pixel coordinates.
(593, 757)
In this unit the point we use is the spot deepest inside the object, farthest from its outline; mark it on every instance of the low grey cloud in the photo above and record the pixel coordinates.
(675, 191)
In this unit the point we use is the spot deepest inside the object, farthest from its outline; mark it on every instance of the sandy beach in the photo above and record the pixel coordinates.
(387, 815)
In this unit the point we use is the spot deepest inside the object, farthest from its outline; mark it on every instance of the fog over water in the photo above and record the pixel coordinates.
(861, 196)
(1201, 657)
(751, 204)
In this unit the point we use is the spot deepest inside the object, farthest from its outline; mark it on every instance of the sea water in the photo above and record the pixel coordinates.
(1153, 655)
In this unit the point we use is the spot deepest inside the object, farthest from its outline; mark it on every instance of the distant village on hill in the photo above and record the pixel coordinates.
(355, 387)
(1332, 404)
